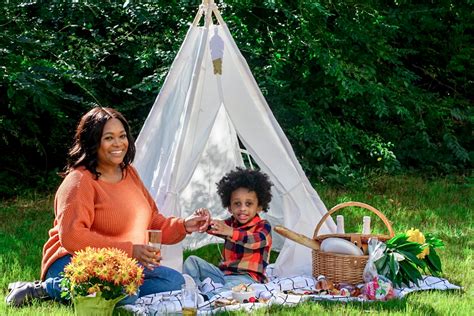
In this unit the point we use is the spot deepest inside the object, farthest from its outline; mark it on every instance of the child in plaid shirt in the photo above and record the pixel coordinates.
(248, 239)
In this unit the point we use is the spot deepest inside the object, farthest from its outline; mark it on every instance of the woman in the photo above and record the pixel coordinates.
(103, 203)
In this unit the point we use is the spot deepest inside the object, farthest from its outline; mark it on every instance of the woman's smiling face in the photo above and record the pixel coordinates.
(113, 144)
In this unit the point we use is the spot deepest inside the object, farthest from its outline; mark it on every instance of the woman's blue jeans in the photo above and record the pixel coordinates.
(160, 279)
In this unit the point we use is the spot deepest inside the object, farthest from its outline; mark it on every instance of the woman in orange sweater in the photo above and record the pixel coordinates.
(103, 203)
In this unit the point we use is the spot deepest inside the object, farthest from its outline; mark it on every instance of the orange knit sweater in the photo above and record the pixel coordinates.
(95, 213)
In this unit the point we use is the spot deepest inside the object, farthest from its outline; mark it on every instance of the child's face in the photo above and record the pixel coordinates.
(244, 205)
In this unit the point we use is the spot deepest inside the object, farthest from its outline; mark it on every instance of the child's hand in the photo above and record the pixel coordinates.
(219, 227)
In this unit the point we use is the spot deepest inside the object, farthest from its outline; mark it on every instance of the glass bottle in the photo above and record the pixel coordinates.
(340, 224)
(366, 225)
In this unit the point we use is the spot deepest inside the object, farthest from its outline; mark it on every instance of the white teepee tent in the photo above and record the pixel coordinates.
(209, 102)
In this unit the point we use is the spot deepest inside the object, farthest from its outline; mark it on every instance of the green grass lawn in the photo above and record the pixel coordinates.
(442, 206)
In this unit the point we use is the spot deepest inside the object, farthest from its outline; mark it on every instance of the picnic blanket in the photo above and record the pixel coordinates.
(283, 291)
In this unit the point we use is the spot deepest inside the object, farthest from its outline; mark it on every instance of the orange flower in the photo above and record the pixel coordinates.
(108, 271)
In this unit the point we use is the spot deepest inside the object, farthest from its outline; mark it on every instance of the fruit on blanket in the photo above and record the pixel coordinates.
(334, 291)
(345, 292)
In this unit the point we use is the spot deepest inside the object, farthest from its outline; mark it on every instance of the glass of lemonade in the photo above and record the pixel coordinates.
(154, 238)
(189, 295)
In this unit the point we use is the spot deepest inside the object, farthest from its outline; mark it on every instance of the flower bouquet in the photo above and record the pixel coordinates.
(105, 274)
(409, 254)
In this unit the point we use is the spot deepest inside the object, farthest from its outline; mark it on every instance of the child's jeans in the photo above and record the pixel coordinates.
(199, 269)
(160, 279)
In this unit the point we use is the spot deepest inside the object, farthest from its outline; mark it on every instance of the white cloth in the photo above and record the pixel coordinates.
(191, 139)
(150, 304)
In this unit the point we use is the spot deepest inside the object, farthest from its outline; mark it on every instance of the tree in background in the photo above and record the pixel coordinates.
(61, 58)
(360, 85)
(356, 85)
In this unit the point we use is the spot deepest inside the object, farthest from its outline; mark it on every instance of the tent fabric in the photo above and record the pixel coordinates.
(208, 102)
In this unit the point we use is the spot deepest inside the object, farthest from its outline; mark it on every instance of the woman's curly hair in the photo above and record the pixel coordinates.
(253, 180)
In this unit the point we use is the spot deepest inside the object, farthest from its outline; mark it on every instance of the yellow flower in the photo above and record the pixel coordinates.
(131, 288)
(106, 270)
(415, 235)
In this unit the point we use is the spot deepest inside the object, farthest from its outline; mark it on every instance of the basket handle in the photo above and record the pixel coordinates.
(359, 204)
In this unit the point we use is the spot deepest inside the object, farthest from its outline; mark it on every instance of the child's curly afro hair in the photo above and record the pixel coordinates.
(253, 180)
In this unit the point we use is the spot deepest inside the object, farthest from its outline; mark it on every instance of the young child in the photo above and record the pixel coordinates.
(245, 193)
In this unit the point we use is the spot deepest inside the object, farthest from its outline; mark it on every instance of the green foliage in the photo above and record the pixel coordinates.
(60, 58)
(357, 86)
(365, 85)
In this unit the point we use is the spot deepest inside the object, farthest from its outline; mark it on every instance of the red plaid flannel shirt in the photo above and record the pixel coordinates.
(248, 250)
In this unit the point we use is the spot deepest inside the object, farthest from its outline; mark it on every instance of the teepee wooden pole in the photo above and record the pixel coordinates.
(218, 15)
(207, 6)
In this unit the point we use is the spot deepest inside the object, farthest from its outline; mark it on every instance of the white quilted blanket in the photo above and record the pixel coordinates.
(276, 291)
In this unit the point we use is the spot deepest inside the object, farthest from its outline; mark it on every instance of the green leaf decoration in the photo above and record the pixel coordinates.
(433, 242)
(412, 257)
(393, 264)
(411, 272)
(397, 240)
(434, 262)
(411, 247)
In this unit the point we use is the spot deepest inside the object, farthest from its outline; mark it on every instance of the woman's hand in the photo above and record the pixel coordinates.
(198, 221)
(148, 256)
(219, 227)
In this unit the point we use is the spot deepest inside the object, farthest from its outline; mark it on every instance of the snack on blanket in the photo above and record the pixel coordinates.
(334, 291)
(343, 288)
(243, 293)
(220, 302)
(324, 284)
(242, 288)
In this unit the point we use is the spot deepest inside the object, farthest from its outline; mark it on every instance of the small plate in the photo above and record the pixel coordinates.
(340, 246)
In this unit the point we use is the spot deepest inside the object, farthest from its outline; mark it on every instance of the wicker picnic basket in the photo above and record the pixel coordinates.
(345, 268)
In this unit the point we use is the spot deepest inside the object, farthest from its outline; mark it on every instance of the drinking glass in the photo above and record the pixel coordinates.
(189, 296)
(154, 238)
